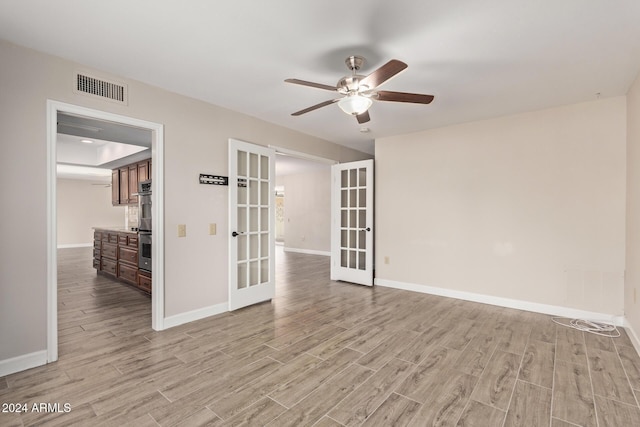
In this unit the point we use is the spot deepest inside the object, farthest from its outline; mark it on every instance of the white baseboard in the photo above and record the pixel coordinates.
(505, 302)
(632, 335)
(75, 245)
(22, 363)
(191, 316)
(307, 251)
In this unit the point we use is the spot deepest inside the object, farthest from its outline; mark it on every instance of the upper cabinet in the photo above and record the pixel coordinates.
(133, 184)
(124, 186)
(124, 182)
(115, 187)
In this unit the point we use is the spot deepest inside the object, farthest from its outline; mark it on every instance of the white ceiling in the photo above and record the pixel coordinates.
(73, 150)
(112, 144)
(479, 58)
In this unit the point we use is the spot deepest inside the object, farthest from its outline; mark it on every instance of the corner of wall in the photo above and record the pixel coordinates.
(632, 226)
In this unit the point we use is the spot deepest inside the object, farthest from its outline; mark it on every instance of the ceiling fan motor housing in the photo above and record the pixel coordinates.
(351, 84)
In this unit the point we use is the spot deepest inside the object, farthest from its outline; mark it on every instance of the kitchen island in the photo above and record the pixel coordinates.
(115, 254)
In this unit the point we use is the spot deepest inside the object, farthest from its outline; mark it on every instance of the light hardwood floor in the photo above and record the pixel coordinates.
(324, 354)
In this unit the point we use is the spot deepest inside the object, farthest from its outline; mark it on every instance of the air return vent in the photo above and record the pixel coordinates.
(105, 89)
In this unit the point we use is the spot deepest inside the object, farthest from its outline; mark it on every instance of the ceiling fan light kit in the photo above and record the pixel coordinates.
(360, 91)
(354, 104)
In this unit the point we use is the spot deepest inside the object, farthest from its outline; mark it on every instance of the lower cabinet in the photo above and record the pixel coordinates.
(127, 260)
(109, 266)
(144, 280)
(116, 254)
(127, 273)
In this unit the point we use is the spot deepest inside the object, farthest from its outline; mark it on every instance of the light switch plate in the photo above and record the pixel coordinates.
(212, 229)
(182, 230)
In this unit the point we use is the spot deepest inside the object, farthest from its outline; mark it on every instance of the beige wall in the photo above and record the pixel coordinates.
(196, 141)
(307, 211)
(632, 282)
(82, 205)
(529, 207)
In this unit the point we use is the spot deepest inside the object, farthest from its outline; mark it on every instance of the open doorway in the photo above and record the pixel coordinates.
(303, 203)
(54, 111)
(303, 219)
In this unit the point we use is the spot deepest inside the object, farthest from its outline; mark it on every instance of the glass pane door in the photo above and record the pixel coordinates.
(252, 203)
(352, 222)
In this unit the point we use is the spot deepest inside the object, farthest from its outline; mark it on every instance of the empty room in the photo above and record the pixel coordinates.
(288, 213)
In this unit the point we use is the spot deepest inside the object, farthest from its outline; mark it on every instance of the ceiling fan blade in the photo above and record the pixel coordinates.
(383, 73)
(311, 84)
(314, 107)
(416, 98)
(363, 117)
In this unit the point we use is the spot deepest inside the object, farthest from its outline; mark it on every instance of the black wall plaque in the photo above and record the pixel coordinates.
(214, 179)
(220, 180)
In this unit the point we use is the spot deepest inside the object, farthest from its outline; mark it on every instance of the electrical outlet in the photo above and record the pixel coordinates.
(182, 230)
(386, 260)
(212, 229)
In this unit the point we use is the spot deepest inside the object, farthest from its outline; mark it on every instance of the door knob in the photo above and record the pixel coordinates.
(234, 234)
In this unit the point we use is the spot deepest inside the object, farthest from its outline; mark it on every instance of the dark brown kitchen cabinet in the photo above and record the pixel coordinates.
(144, 280)
(115, 187)
(128, 273)
(128, 255)
(109, 250)
(124, 185)
(133, 184)
(144, 171)
(109, 254)
(97, 249)
(124, 182)
(115, 253)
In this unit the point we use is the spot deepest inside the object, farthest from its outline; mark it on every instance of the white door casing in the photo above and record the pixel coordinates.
(352, 222)
(157, 293)
(251, 224)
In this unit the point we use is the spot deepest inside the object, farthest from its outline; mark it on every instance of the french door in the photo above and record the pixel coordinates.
(352, 222)
(251, 224)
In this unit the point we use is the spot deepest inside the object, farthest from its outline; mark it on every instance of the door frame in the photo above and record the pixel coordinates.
(157, 156)
(302, 155)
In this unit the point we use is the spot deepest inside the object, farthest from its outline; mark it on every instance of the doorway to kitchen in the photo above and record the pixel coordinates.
(54, 108)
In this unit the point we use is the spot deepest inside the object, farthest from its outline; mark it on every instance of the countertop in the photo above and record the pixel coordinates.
(116, 229)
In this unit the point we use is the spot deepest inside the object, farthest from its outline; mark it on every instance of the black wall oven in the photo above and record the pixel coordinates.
(144, 250)
(144, 225)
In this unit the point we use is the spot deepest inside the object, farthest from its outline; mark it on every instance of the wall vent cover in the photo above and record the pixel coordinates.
(104, 89)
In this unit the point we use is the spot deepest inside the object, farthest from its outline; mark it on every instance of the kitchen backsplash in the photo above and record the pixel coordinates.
(131, 214)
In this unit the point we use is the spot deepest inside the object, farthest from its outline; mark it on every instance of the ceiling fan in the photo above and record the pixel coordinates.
(360, 91)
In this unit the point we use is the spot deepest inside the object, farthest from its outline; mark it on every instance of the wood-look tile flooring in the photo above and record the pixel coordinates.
(323, 354)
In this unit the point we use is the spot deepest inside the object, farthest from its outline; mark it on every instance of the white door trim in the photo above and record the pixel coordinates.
(301, 155)
(157, 155)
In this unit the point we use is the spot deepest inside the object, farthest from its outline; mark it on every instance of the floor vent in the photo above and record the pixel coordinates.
(113, 91)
